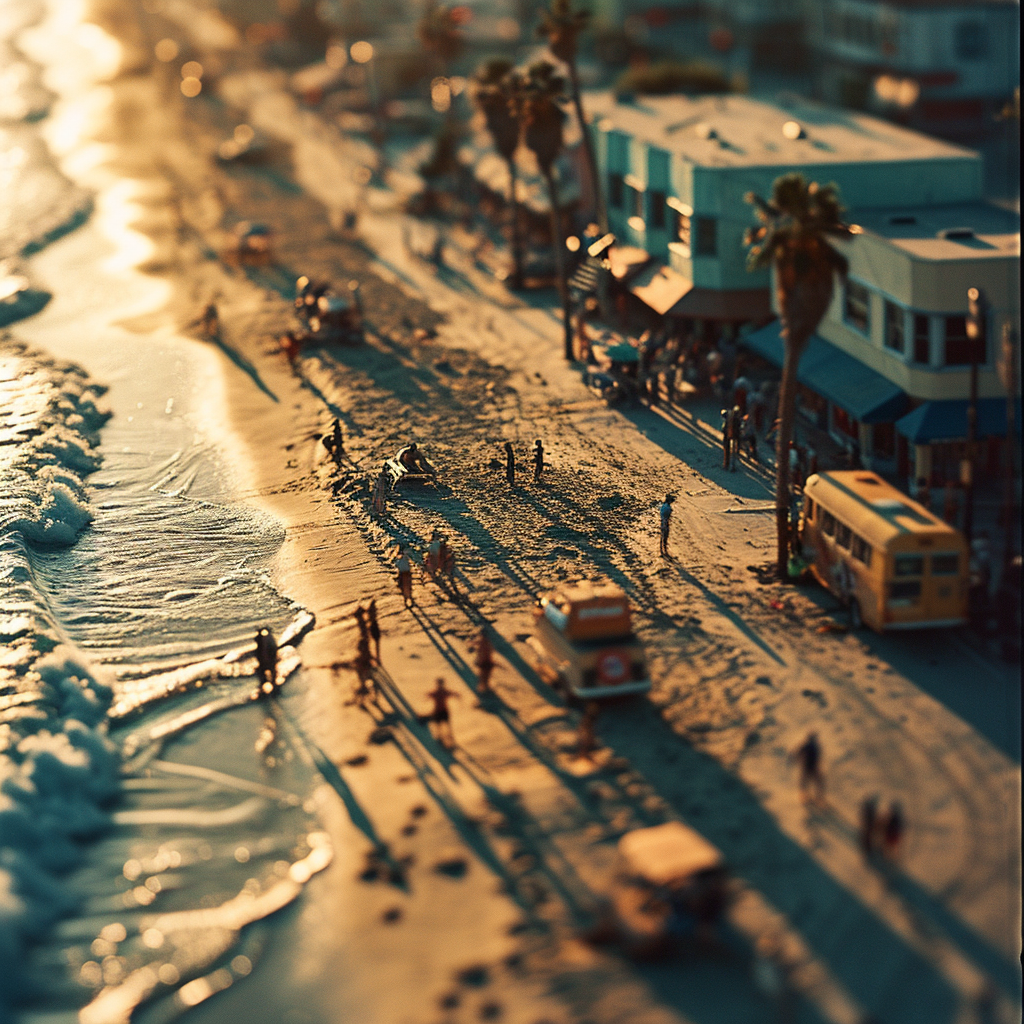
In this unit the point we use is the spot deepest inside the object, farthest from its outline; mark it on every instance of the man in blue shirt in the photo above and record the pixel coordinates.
(666, 515)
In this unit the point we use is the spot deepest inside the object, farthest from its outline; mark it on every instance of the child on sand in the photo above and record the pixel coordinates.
(404, 569)
(440, 715)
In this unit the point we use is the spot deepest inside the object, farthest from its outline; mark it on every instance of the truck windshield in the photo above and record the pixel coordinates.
(555, 616)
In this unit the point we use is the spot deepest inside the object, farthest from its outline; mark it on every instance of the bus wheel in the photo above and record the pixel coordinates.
(856, 620)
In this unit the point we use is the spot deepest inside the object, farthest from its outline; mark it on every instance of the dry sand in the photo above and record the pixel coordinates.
(505, 843)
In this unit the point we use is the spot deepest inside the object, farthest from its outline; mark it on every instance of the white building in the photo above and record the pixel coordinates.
(948, 64)
(890, 367)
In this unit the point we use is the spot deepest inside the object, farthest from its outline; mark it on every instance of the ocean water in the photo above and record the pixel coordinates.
(154, 810)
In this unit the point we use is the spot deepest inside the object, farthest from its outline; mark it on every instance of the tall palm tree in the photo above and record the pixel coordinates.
(793, 240)
(494, 90)
(561, 26)
(438, 31)
(543, 121)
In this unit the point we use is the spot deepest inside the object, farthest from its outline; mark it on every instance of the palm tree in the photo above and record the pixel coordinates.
(439, 33)
(542, 122)
(793, 239)
(561, 27)
(494, 93)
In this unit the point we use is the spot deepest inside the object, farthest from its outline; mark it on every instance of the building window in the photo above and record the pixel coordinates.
(922, 338)
(615, 190)
(844, 535)
(857, 307)
(895, 327)
(656, 213)
(971, 41)
(861, 550)
(634, 202)
(883, 441)
(683, 229)
(707, 236)
(959, 348)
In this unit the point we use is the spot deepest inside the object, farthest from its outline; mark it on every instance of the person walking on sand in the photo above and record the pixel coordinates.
(812, 782)
(363, 662)
(892, 826)
(665, 512)
(585, 741)
(439, 715)
(338, 448)
(266, 660)
(374, 628)
(484, 662)
(868, 830)
(510, 464)
(404, 569)
(538, 460)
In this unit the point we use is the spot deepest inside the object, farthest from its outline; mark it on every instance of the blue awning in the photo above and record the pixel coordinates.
(947, 420)
(863, 393)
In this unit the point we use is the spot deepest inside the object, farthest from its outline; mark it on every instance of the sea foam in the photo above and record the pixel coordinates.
(59, 771)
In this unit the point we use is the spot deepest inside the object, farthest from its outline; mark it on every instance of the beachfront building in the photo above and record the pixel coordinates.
(890, 366)
(676, 169)
(945, 66)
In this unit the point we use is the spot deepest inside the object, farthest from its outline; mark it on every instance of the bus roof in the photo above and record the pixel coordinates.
(874, 508)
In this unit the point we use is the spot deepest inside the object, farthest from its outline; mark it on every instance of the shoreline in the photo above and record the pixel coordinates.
(534, 828)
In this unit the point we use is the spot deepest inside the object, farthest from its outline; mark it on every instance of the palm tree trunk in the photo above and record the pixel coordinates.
(588, 148)
(558, 244)
(787, 415)
(517, 239)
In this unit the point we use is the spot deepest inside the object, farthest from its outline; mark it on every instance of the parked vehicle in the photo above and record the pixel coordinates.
(604, 386)
(894, 563)
(586, 640)
(672, 885)
(252, 245)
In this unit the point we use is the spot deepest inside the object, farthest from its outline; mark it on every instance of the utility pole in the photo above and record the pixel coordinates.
(977, 324)
(1008, 374)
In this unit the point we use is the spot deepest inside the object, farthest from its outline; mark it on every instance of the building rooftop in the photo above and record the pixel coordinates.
(955, 232)
(738, 131)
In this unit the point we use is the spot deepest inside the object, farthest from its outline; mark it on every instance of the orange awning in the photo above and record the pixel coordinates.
(660, 287)
(626, 260)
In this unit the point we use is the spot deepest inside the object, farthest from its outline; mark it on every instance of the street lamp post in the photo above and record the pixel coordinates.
(977, 317)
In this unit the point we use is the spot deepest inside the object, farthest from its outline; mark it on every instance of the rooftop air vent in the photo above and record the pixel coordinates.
(794, 130)
(705, 131)
(903, 218)
(957, 234)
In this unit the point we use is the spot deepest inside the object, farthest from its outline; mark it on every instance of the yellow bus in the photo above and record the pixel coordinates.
(895, 564)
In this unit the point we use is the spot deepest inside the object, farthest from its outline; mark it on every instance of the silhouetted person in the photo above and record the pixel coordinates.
(510, 464)
(665, 513)
(404, 569)
(484, 662)
(808, 756)
(868, 830)
(892, 827)
(439, 715)
(338, 437)
(538, 459)
(364, 662)
(585, 741)
(374, 627)
(266, 660)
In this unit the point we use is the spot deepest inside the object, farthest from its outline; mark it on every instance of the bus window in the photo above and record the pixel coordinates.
(861, 550)
(828, 522)
(808, 508)
(905, 590)
(908, 565)
(844, 535)
(946, 564)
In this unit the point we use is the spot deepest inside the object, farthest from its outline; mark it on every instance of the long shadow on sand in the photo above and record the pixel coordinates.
(896, 983)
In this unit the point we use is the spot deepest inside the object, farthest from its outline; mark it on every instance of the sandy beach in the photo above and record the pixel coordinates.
(463, 880)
